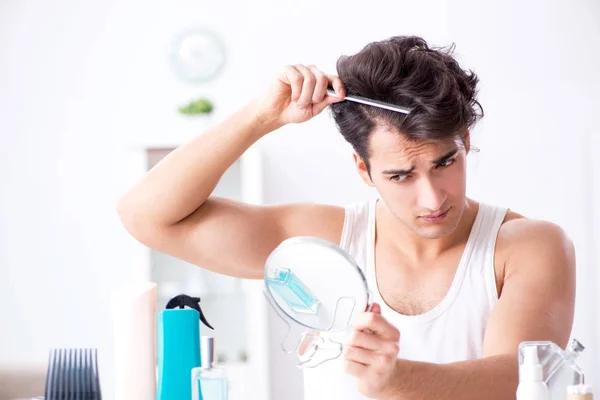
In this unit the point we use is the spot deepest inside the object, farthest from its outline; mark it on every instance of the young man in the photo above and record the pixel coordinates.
(458, 284)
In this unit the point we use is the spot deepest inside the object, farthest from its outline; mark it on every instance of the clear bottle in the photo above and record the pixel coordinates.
(559, 365)
(558, 358)
(208, 381)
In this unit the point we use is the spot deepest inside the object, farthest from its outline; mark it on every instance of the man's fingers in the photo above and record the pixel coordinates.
(375, 308)
(317, 108)
(308, 86)
(365, 340)
(291, 76)
(321, 84)
(377, 324)
(355, 369)
(363, 356)
(340, 92)
(337, 85)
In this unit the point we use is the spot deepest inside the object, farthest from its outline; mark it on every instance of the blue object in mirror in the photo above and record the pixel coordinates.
(293, 291)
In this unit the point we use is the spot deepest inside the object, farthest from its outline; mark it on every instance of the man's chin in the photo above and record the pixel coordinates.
(433, 233)
(437, 231)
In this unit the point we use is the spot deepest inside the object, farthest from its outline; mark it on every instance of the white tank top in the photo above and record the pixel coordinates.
(451, 331)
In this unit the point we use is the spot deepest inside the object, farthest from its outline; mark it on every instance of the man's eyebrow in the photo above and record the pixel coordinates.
(445, 157)
(401, 172)
(398, 171)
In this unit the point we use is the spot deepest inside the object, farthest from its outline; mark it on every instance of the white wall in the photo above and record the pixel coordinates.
(82, 83)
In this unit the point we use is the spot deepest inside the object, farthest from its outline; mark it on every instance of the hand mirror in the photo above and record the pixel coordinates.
(315, 287)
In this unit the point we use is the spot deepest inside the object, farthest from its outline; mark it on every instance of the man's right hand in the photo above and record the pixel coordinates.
(298, 94)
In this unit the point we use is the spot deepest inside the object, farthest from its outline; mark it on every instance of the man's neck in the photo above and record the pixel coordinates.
(416, 248)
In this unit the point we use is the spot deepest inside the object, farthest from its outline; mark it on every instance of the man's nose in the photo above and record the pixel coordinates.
(431, 197)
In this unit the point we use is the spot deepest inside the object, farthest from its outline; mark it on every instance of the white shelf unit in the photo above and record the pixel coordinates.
(248, 374)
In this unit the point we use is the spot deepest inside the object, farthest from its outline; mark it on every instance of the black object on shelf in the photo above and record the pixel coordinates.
(73, 374)
(183, 300)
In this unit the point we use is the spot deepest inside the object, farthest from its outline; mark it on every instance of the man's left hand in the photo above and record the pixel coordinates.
(371, 353)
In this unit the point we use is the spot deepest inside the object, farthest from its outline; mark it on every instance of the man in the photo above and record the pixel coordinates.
(458, 284)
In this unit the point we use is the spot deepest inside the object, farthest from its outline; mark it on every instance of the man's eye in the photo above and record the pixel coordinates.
(398, 178)
(447, 162)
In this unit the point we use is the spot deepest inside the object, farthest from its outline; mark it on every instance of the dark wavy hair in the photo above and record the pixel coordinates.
(405, 71)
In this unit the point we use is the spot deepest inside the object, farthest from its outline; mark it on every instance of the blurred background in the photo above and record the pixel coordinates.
(90, 98)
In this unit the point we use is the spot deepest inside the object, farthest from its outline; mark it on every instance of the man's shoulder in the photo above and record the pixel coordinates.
(517, 229)
(522, 238)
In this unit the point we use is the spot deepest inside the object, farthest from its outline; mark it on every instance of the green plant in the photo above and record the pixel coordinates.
(198, 106)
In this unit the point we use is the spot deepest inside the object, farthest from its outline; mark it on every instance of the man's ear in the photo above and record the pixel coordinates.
(467, 141)
(361, 168)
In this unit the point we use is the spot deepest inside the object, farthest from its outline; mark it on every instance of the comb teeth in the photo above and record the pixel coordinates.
(73, 375)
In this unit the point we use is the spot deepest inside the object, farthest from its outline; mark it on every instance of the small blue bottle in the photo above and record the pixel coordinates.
(209, 382)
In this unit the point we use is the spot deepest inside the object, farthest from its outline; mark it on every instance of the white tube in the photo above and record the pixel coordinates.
(133, 310)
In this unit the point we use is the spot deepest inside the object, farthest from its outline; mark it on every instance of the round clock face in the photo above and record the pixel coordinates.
(197, 56)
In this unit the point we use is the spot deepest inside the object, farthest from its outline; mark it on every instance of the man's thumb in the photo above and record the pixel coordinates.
(375, 308)
(328, 100)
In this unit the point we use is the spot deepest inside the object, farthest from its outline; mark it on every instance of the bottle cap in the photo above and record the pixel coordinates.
(579, 389)
(575, 347)
(207, 352)
(531, 369)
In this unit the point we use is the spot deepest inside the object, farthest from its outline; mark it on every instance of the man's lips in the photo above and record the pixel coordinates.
(437, 215)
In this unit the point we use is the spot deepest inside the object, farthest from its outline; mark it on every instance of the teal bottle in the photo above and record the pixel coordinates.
(178, 352)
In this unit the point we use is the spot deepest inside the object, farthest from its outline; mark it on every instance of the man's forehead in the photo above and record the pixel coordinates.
(387, 143)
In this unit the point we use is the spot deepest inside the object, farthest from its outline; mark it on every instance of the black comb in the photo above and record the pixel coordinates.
(73, 375)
